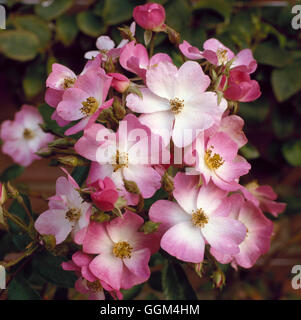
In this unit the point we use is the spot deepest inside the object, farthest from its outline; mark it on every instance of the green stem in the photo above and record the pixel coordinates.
(152, 45)
(16, 220)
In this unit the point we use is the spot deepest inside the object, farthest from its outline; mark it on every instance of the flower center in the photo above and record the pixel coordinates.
(73, 214)
(176, 105)
(68, 82)
(121, 160)
(94, 286)
(89, 106)
(213, 161)
(122, 250)
(222, 56)
(199, 218)
(28, 134)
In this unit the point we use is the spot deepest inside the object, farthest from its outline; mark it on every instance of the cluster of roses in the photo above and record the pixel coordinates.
(186, 109)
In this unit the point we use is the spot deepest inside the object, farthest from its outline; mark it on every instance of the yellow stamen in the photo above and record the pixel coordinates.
(73, 214)
(68, 82)
(213, 161)
(122, 250)
(177, 105)
(89, 106)
(121, 160)
(199, 218)
(222, 56)
(28, 134)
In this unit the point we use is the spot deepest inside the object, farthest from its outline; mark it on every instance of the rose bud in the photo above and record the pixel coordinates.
(3, 194)
(150, 16)
(119, 82)
(105, 194)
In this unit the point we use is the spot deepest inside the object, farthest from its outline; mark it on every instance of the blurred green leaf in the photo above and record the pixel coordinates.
(20, 289)
(175, 283)
(283, 124)
(132, 293)
(155, 280)
(34, 80)
(178, 15)
(54, 10)
(116, 11)
(66, 28)
(286, 81)
(49, 267)
(249, 151)
(224, 8)
(19, 45)
(35, 25)
(90, 24)
(80, 174)
(11, 173)
(269, 53)
(292, 152)
(255, 111)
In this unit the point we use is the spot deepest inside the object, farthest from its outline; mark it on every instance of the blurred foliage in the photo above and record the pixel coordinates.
(39, 35)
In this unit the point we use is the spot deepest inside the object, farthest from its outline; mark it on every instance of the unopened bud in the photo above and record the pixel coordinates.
(131, 186)
(13, 192)
(119, 82)
(149, 227)
(44, 152)
(100, 216)
(62, 142)
(3, 194)
(198, 267)
(219, 279)
(134, 89)
(167, 182)
(72, 161)
(49, 241)
(119, 109)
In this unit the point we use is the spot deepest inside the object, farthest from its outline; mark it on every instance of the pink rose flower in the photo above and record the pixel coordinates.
(67, 213)
(104, 194)
(199, 216)
(23, 136)
(175, 102)
(87, 282)
(150, 16)
(134, 58)
(264, 197)
(240, 87)
(122, 251)
(258, 237)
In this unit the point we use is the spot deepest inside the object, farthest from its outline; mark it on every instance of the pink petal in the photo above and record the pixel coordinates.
(189, 51)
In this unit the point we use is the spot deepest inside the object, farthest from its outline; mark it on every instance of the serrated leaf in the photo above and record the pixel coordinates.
(175, 283)
(20, 289)
(286, 81)
(54, 10)
(19, 45)
(35, 25)
(49, 268)
(67, 29)
(292, 152)
(90, 24)
(11, 173)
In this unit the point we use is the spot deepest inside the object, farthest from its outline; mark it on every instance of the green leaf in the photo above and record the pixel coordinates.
(132, 293)
(287, 81)
(255, 111)
(54, 10)
(159, 195)
(34, 80)
(116, 11)
(249, 151)
(66, 28)
(292, 152)
(49, 267)
(224, 8)
(11, 173)
(175, 283)
(90, 24)
(20, 289)
(178, 15)
(35, 25)
(19, 45)
(270, 54)
(80, 174)
(283, 124)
